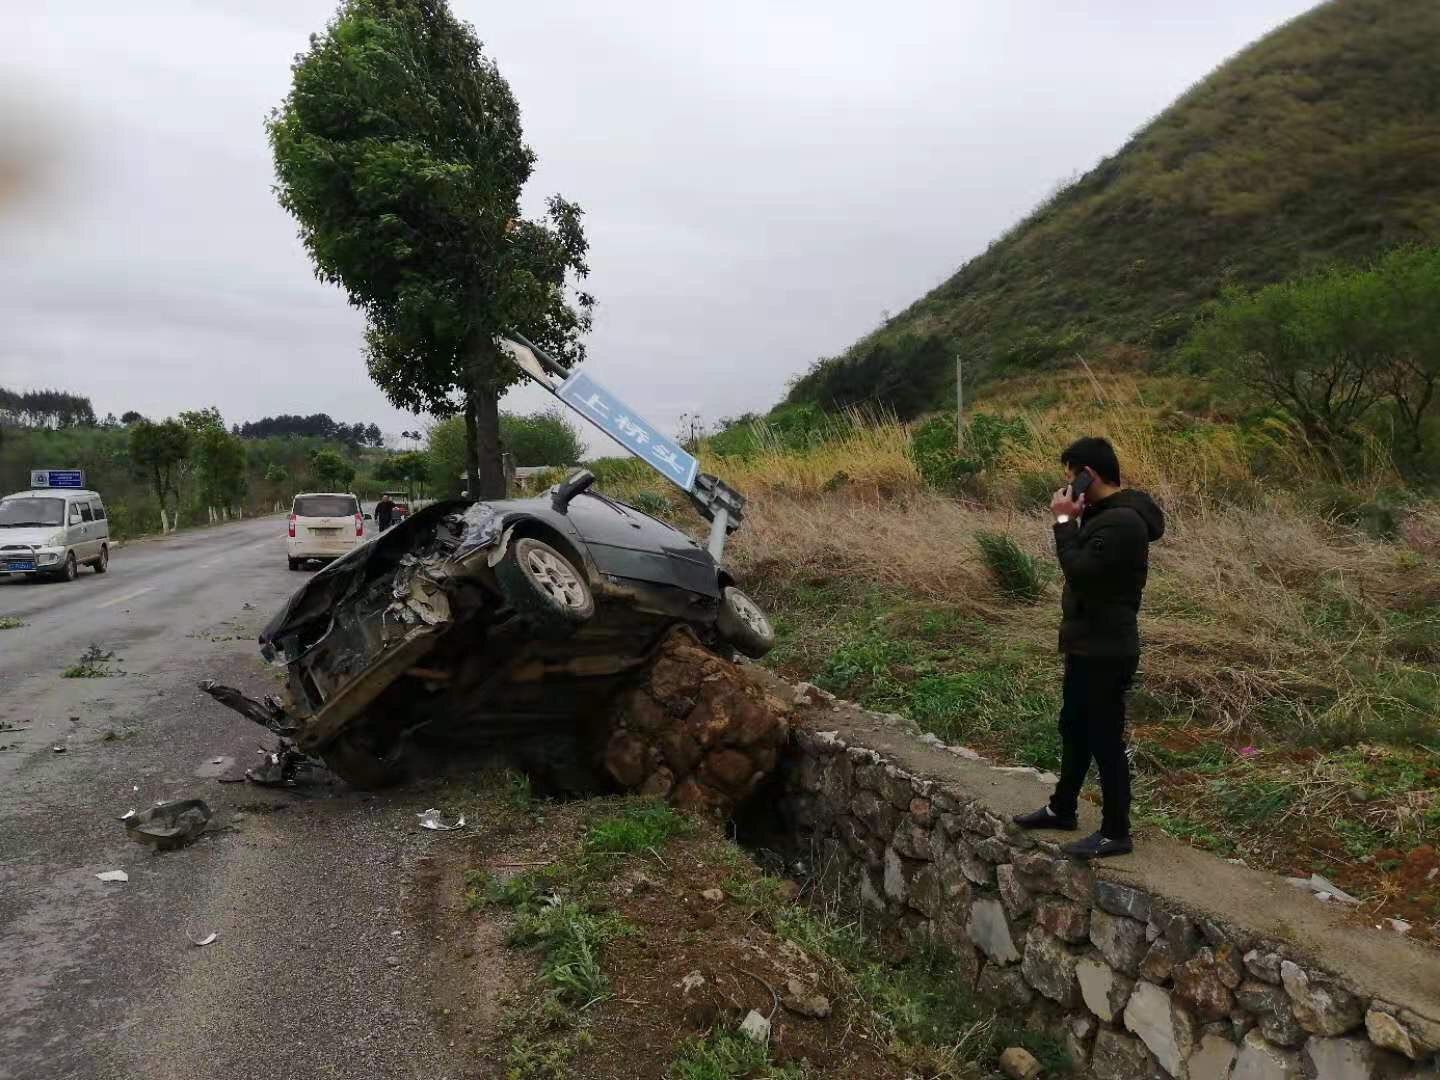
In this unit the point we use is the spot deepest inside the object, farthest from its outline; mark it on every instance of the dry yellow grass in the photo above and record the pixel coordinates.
(868, 455)
(1251, 616)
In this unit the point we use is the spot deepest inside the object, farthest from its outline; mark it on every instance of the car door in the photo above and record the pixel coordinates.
(629, 544)
(89, 546)
(102, 524)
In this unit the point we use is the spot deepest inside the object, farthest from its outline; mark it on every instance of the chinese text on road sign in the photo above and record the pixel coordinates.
(57, 478)
(630, 430)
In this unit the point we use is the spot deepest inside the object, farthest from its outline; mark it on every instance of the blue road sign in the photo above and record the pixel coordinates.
(57, 478)
(629, 429)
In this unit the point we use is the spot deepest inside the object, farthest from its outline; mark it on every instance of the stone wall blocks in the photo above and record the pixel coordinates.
(1124, 900)
(1213, 1058)
(1004, 986)
(990, 931)
(1049, 966)
(1205, 983)
(1166, 1029)
(1263, 965)
(1013, 893)
(1402, 1030)
(1118, 1057)
(1104, 991)
(1068, 921)
(1259, 1060)
(1321, 1006)
(1121, 941)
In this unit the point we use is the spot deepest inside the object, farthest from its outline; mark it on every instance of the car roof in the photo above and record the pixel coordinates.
(52, 493)
(336, 494)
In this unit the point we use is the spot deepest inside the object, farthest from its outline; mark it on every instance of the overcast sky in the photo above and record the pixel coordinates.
(761, 179)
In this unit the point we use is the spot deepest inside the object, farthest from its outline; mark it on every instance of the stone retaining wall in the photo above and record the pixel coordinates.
(1135, 985)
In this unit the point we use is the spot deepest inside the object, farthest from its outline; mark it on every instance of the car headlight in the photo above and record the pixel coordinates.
(47, 557)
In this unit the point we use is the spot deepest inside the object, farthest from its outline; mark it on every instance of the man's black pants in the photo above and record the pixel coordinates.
(1092, 726)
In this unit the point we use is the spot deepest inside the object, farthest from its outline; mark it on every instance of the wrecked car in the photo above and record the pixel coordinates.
(479, 622)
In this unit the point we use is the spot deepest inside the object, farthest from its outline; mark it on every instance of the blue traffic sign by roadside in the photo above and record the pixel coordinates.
(629, 429)
(57, 478)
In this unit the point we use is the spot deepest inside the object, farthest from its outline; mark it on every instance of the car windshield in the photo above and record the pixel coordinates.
(326, 506)
(17, 513)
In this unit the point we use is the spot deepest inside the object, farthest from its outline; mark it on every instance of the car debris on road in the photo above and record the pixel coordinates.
(113, 875)
(168, 825)
(432, 820)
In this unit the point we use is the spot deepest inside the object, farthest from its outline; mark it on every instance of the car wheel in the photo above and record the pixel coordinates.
(742, 624)
(103, 562)
(359, 767)
(544, 587)
(295, 564)
(71, 569)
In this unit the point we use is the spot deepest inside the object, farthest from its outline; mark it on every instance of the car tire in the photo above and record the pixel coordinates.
(545, 588)
(295, 564)
(360, 767)
(71, 570)
(743, 625)
(103, 562)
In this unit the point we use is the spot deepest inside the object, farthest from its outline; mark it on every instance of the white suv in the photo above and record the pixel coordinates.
(324, 525)
(53, 532)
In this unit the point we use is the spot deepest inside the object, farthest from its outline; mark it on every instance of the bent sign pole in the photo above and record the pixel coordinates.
(715, 501)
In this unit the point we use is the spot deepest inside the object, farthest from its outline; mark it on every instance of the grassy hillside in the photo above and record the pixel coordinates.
(1318, 144)
(1289, 710)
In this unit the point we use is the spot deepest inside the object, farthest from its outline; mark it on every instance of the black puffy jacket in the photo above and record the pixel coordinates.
(1105, 558)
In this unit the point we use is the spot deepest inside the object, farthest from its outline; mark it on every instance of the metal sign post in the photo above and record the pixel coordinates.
(715, 501)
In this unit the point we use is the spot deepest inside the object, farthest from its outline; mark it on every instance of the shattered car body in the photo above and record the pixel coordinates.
(474, 623)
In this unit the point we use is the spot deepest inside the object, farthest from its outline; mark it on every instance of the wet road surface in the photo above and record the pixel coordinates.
(317, 971)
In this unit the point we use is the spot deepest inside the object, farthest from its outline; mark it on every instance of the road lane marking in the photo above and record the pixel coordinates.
(127, 596)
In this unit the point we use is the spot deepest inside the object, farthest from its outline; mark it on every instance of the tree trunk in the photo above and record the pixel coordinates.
(482, 424)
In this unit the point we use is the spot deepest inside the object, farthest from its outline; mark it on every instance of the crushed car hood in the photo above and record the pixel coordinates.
(314, 601)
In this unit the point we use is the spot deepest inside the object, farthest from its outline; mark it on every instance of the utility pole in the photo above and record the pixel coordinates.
(959, 401)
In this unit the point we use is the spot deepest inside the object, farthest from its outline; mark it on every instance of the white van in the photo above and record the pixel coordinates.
(53, 532)
(323, 525)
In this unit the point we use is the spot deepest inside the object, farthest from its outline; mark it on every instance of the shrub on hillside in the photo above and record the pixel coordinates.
(947, 464)
(1016, 572)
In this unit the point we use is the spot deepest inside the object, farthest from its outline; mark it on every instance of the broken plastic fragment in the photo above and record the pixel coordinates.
(206, 940)
(169, 825)
(113, 875)
(431, 819)
(127, 815)
(58, 749)
(755, 1027)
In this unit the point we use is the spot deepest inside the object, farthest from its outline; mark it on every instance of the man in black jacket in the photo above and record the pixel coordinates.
(1102, 538)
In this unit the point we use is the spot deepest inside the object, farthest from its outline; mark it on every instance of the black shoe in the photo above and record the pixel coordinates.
(1098, 846)
(1045, 818)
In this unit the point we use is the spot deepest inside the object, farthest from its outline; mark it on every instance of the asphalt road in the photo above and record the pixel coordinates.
(319, 970)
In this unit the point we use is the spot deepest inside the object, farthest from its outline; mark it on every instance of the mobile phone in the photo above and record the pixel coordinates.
(1080, 485)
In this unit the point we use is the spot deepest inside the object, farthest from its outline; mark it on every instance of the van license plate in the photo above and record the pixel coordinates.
(323, 532)
(16, 564)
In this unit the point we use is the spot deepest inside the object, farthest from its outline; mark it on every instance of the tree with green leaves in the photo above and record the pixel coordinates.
(332, 471)
(1337, 347)
(399, 152)
(408, 468)
(217, 459)
(161, 451)
(541, 438)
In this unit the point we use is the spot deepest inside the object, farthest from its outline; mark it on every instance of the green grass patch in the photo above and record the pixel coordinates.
(917, 1005)
(571, 939)
(92, 665)
(1016, 572)
(10, 622)
(728, 1055)
(641, 826)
